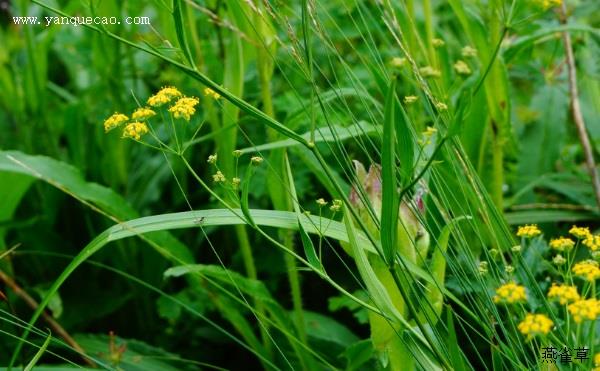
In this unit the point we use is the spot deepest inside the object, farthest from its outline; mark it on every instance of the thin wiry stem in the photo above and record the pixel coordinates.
(576, 108)
(56, 327)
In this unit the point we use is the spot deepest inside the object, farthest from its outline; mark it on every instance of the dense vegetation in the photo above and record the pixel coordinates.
(310, 184)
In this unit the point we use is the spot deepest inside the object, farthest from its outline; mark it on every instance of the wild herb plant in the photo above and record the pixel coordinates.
(304, 185)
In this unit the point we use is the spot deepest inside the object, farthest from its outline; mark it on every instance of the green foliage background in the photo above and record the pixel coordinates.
(308, 86)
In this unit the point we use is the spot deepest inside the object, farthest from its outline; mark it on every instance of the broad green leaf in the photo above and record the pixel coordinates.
(69, 180)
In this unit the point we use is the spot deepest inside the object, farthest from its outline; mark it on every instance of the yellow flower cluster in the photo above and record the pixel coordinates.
(409, 99)
(597, 361)
(135, 130)
(218, 177)
(528, 231)
(592, 242)
(510, 293)
(462, 68)
(547, 4)
(143, 113)
(580, 232)
(429, 71)
(164, 96)
(564, 294)
(469, 52)
(587, 269)
(535, 324)
(114, 121)
(184, 108)
(562, 244)
(211, 93)
(585, 309)
(437, 43)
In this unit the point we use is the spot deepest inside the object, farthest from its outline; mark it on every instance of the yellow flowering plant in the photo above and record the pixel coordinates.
(166, 106)
(557, 301)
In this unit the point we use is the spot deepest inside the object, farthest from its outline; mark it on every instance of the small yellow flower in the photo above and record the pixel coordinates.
(336, 205)
(256, 160)
(143, 113)
(218, 177)
(482, 267)
(211, 93)
(427, 135)
(580, 232)
(516, 248)
(559, 260)
(562, 244)
(535, 324)
(398, 62)
(441, 106)
(597, 359)
(409, 99)
(437, 43)
(321, 202)
(164, 96)
(429, 71)
(564, 294)
(462, 68)
(135, 130)
(469, 52)
(585, 310)
(184, 108)
(510, 293)
(114, 121)
(592, 242)
(212, 159)
(429, 132)
(236, 182)
(528, 231)
(547, 4)
(587, 269)
(237, 153)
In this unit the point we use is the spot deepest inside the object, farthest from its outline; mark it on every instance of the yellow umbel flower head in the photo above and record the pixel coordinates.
(585, 310)
(547, 4)
(184, 108)
(164, 96)
(592, 242)
(528, 231)
(211, 93)
(429, 71)
(142, 113)
(597, 360)
(468, 52)
(535, 324)
(564, 294)
(580, 232)
(587, 269)
(114, 121)
(409, 99)
(135, 130)
(462, 68)
(437, 43)
(562, 244)
(510, 293)
(218, 177)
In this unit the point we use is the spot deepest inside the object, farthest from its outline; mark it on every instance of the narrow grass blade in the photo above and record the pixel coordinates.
(390, 197)
(309, 247)
(39, 354)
